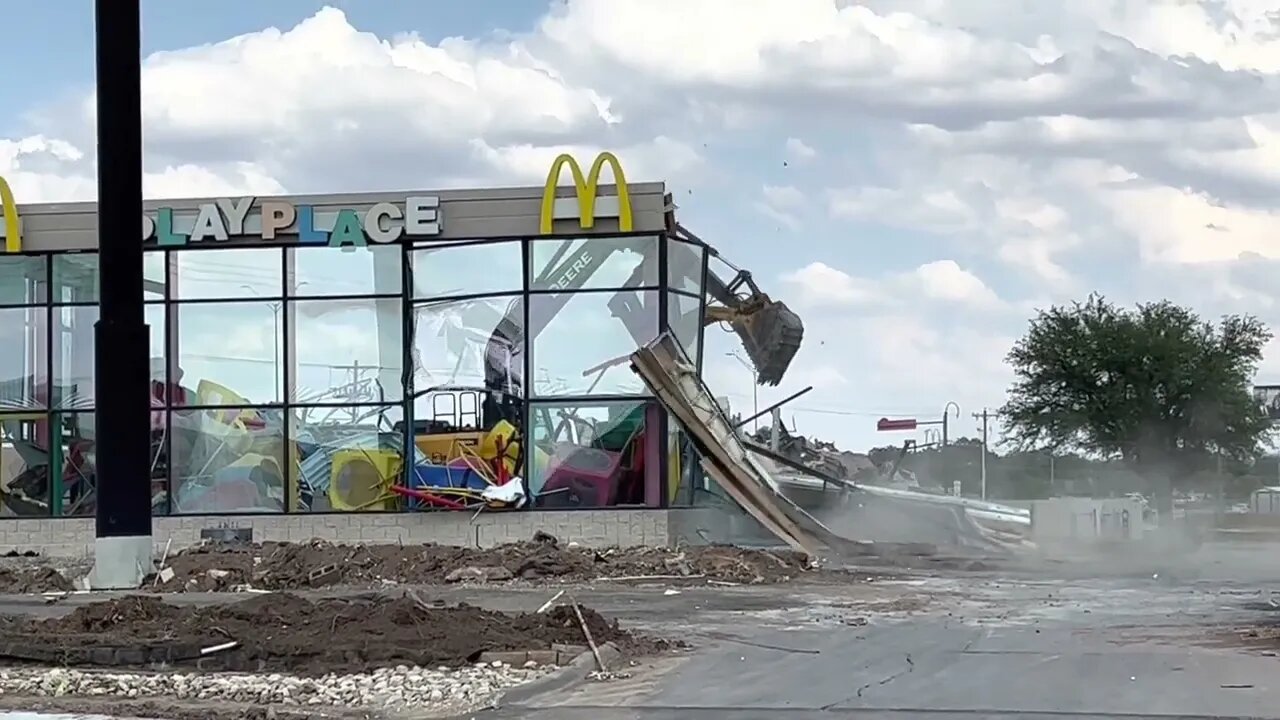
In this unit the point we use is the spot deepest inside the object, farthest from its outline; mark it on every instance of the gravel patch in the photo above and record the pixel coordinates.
(438, 691)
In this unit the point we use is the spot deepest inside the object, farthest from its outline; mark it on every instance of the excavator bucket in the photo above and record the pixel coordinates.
(771, 336)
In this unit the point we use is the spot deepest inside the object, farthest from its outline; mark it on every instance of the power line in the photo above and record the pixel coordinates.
(836, 411)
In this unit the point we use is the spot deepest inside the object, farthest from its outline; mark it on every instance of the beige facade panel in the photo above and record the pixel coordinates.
(458, 214)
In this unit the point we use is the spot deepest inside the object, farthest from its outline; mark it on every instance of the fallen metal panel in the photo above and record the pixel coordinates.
(675, 382)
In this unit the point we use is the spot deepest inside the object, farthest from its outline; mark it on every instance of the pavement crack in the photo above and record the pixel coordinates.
(743, 641)
(911, 666)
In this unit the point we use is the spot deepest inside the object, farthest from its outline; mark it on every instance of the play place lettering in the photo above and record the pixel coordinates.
(276, 220)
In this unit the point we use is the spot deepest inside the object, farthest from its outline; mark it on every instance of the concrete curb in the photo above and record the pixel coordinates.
(575, 672)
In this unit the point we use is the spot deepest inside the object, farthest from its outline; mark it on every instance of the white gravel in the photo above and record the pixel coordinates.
(391, 688)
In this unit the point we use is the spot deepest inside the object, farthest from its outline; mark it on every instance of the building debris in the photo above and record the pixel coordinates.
(771, 484)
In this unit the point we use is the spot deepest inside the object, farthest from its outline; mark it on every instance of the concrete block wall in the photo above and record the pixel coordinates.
(1086, 519)
(74, 537)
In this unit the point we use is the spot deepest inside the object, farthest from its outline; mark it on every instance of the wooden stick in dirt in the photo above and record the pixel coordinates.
(547, 605)
(163, 559)
(586, 633)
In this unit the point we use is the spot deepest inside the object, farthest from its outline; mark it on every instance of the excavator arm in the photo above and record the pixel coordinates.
(770, 331)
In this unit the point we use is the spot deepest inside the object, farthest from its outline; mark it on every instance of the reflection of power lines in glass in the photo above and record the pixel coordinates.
(356, 382)
(267, 279)
(353, 386)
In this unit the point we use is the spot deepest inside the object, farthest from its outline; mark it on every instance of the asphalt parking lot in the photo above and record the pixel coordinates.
(1137, 640)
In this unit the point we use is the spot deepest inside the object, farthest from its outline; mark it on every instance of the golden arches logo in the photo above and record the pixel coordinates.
(12, 228)
(586, 189)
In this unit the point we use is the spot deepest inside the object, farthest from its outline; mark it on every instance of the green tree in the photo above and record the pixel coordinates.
(1153, 385)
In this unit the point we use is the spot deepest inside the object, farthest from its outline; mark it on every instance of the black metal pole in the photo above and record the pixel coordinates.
(121, 365)
(772, 407)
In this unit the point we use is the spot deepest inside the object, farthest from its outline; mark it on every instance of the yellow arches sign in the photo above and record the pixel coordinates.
(586, 204)
(9, 213)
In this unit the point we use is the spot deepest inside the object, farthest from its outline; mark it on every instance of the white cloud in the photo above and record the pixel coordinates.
(798, 151)
(1005, 157)
(821, 286)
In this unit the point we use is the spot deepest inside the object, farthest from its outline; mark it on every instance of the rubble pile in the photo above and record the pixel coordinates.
(823, 457)
(316, 564)
(287, 633)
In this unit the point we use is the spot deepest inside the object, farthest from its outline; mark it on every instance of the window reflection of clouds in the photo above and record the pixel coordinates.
(229, 273)
(585, 334)
(338, 354)
(237, 345)
(471, 269)
(372, 270)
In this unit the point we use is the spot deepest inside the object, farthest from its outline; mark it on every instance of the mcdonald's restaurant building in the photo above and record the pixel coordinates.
(446, 366)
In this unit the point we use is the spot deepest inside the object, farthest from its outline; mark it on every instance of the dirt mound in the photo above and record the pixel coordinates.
(26, 580)
(284, 632)
(291, 566)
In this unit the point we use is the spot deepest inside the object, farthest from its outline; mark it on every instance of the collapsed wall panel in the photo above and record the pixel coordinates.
(675, 382)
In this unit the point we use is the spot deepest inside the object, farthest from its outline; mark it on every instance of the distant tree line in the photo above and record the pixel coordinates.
(1028, 475)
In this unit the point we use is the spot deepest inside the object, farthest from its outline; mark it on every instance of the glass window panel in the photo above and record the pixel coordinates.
(586, 343)
(24, 465)
(347, 458)
(595, 262)
(79, 464)
(229, 273)
(372, 270)
(684, 266)
(73, 346)
(75, 277)
(471, 343)
(23, 358)
(228, 460)
(23, 280)
(228, 353)
(447, 270)
(73, 353)
(587, 455)
(682, 318)
(347, 351)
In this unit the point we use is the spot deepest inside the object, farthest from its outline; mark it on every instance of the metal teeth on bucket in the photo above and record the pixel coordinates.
(771, 336)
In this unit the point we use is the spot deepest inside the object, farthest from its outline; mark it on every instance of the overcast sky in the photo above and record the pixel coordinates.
(913, 176)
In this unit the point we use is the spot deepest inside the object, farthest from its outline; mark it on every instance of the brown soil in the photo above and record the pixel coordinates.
(284, 632)
(27, 580)
(291, 566)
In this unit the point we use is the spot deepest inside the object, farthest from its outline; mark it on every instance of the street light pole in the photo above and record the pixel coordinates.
(122, 545)
(945, 411)
(276, 308)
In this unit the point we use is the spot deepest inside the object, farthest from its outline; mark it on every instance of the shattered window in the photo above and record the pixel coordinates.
(682, 319)
(684, 266)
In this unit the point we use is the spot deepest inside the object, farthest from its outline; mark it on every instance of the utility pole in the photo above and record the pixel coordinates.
(122, 545)
(985, 417)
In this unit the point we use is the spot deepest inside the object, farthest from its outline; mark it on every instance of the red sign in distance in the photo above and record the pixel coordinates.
(886, 425)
